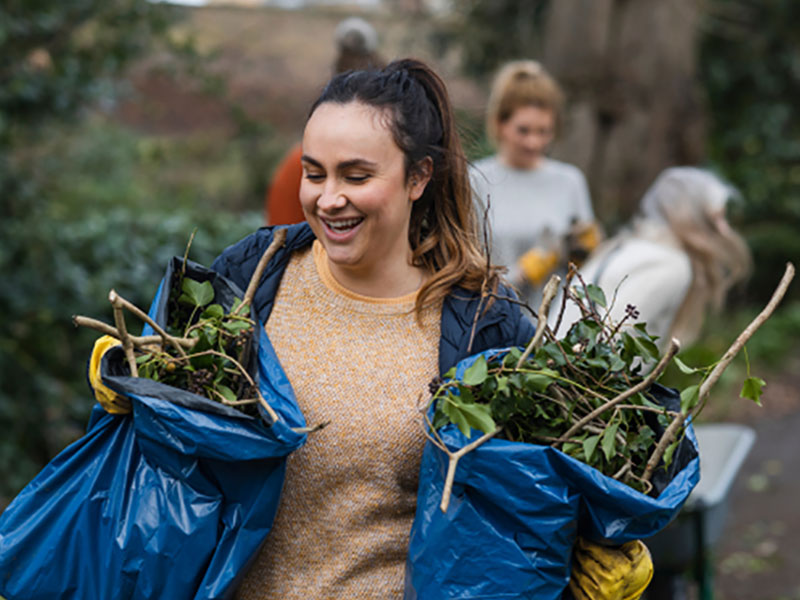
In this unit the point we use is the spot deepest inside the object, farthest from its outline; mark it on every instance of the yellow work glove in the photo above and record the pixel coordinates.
(610, 572)
(582, 238)
(108, 398)
(536, 264)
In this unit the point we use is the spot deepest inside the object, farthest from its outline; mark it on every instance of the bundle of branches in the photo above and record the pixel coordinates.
(591, 394)
(205, 346)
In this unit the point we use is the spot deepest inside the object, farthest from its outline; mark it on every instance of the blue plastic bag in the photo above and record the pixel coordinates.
(170, 501)
(514, 515)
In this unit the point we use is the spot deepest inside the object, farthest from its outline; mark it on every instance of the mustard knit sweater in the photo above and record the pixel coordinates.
(348, 502)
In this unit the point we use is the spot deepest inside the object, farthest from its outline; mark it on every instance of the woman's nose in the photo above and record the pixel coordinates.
(331, 198)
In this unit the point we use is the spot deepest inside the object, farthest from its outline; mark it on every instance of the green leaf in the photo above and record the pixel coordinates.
(609, 440)
(502, 385)
(596, 295)
(670, 450)
(589, 445)
(235, 326)
(213, 311)
(196, 293)
(752, 389)
(689, 398)
(477, 373)
(684, 368)
(538, 382)
(478, 416)
(456, 416)
(617, 364)
(227, 392)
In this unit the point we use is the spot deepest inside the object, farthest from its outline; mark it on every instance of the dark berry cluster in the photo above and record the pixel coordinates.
(630, 311)
(435, 384)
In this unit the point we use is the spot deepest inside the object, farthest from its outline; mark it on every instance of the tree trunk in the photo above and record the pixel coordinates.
(635, 104)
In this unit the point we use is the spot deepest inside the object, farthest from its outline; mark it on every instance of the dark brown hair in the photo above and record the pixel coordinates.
(443, 229)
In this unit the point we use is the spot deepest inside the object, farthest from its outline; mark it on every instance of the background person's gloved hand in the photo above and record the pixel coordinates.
(610, 572)
(537, 264)
(108, 398)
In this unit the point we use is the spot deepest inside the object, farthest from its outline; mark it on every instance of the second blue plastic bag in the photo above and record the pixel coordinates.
(514, 515)
(170, 501)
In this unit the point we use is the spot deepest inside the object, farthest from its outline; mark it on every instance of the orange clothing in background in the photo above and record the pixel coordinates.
(282, 204)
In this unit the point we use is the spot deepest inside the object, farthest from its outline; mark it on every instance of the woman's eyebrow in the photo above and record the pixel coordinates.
(356, 162)
(346, 164)
(311, 161)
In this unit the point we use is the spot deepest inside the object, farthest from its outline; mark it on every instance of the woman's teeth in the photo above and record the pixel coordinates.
(343, 225)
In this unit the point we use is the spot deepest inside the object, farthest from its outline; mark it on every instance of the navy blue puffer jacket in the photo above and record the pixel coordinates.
(503, 325)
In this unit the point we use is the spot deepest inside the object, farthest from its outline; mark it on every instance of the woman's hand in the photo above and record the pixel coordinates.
(108, 398)
(610, 572)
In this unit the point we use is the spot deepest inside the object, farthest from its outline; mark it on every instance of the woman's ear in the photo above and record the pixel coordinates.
(421, 174)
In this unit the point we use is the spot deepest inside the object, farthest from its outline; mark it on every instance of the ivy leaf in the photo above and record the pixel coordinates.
(609, 440)
(476, 374)
(689, 398)
(752, 389)
(196, 293)
(589, 445)
(617, 364)
(213, 311)
(596, 295)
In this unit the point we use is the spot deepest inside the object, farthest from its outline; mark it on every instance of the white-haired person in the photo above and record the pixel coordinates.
(540, 211)
(675, 261)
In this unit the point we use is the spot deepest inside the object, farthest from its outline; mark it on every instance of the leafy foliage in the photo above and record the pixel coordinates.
(577, 393)
(215, 365)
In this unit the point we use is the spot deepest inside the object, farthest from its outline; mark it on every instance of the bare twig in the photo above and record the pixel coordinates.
(550, 291)
(127, 343)
(453, 463)
(571, 270)
(156, 327)
(740, 341)
(278, 238)
(139, 341)
(676, 426)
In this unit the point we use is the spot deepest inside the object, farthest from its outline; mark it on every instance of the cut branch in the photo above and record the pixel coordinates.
(127, 343)
(278, 238)
(550, 291)
(671, 434)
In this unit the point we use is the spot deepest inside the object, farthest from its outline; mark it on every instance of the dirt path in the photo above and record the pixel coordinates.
(758, 556)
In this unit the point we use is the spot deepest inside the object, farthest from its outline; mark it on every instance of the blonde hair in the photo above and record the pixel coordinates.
(686, 199)
(521, 83)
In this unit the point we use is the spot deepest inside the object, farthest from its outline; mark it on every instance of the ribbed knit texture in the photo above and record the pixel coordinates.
(350, 493)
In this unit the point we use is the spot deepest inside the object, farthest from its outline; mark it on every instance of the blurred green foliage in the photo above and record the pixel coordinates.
(111, 221)
(87, 205)
(750, 64)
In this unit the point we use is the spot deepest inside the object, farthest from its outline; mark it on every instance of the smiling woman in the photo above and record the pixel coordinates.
(382, 290)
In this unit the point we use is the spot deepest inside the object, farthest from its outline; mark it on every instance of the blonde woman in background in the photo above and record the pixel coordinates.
(538, 206)
(677, 259)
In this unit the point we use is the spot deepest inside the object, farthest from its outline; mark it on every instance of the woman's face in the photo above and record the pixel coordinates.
(524, 137)
(355, 196)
